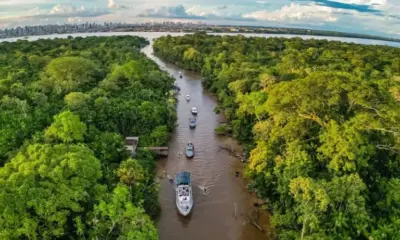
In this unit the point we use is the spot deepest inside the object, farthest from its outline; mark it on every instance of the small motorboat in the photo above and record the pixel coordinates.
(192, 122)
(184, 197)
(187, 97)
(180, 75)
(194, 110)
(189, 151)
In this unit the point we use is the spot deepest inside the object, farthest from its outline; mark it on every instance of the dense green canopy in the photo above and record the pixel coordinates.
(65, 107)
(321, 121)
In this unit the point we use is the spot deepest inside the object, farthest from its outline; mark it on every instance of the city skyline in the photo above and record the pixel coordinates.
(375, 17)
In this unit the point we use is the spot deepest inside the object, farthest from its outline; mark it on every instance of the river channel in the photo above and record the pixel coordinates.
(222, 212)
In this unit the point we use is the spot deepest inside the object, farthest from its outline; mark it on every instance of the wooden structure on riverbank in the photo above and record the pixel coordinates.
(160, 151)
(131, 144)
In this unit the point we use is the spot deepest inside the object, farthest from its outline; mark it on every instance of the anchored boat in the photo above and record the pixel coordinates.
(189, 150)
(184, 197)
(192, 122)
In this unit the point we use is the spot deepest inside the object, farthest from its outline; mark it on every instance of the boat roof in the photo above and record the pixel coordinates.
(183, 178)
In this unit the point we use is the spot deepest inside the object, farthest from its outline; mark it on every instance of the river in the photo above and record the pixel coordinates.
(222, 213)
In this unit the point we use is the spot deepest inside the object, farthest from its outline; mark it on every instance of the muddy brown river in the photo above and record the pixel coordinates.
(222, 212)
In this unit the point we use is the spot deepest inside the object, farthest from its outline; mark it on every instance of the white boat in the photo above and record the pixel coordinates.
(184, 197)
(180, 74)
(187, 97)
(194, 110)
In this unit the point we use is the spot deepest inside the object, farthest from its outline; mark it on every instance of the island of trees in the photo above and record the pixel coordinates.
(65, 107)
(321, 122)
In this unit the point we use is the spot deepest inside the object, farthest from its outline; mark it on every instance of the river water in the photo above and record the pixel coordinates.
(222, 213)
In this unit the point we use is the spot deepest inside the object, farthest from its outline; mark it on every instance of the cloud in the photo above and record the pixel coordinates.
(114, 5)
(178, 11)
(296, 12)
(68, 10)
(195, 12)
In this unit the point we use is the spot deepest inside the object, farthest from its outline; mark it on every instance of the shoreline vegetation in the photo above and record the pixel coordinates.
(65, 107)
(320, 121)
(175, 27)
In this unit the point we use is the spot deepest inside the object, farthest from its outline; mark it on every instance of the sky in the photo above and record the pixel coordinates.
(375, 17)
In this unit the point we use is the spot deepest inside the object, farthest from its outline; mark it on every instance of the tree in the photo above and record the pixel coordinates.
(117, 217)
(44, 187)
(75, 100)
(71, 73)
(66, 128)
(131, 172)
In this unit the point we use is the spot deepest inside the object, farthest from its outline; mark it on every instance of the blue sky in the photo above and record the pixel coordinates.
(377, 17)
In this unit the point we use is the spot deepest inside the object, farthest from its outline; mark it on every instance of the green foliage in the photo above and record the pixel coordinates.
(223, 129)
(66, 106)
(75, 100)
(131, 172)
(66, 128)
(43, 187)
(323, 119)
(116, 217)
(71, 73)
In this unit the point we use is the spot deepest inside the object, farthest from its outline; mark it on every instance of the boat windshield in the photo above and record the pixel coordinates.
(183, 178)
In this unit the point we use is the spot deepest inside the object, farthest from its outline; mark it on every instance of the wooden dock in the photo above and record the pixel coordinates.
(131, 144)
(160, 151)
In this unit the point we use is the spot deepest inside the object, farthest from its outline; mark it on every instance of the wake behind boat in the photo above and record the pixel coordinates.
(189, 151)
(184, 197)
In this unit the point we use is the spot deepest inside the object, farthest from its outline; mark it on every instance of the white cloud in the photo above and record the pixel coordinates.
(178, 11)
(114, 5)
(296, 12)
(68, 10)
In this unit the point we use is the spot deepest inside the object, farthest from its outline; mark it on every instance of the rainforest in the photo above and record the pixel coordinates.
(320, 122)
(66, 106)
